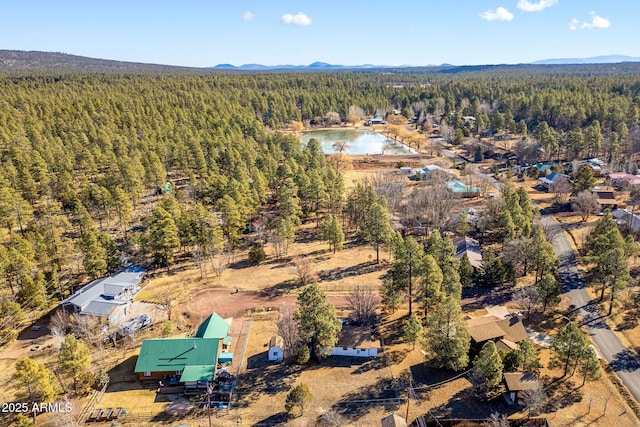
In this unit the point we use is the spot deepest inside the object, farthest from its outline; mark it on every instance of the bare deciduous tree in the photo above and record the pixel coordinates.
(526, 298)
(341, 146)
(289, 330)
(388, 185)
(516, 252)
(58, 325)
(364, 300)
(333, 418)
(166, 301)
(533, 400)
(586, 204)
(303, 268)
(561, 190)
(497, 420)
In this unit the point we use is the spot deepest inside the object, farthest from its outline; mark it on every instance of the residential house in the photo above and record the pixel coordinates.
(356, 341)
(627, 217)
(622, 180)
(606, 199)
(498, 325)
(553, 178)
(517, 382)
(256, 226)
(462, 189)
(108, 296)
(276, 348)
(190, 361)
(471, 248)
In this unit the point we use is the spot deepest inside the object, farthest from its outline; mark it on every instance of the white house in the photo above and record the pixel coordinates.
(108, 296)
(356, 342)
(276, 348)
(625, 216)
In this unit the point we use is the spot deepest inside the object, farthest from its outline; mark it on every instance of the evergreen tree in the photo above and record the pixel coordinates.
(413, 331)
(95, 256)
(430, 284)
(407, 266)
(584, 180)
(589, 365)
(232, 219)
(299, 397)
(606, 249)
(549, 291)
(466, 272)
(527, 356)
(489, 364)
(568, 346)
(34, 381)
(391, 294)
(377, 228)
(319, 326)
(447, 340)
(163, 236)
(331, 232)
(74, 360)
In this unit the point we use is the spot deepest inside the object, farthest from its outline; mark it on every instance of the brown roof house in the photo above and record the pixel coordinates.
(606, 199)
(498, 325)
(517, 382)
(356, 341)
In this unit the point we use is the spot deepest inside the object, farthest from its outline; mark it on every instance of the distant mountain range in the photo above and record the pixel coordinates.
(607, 59)
(15, 60)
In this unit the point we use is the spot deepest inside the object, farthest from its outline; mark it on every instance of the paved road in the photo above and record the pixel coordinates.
(620, 358)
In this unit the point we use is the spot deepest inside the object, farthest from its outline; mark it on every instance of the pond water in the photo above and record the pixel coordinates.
(360, 141)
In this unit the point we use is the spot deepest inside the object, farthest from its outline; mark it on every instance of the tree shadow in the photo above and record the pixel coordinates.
(624, 361)
(354, 270)
(562, 393)
(273, 420)
(466, 405)
(279, 289)
(264, 378)
(360, 402)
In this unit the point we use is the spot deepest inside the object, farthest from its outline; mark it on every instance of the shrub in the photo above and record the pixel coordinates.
(301, 355)
(257, 254)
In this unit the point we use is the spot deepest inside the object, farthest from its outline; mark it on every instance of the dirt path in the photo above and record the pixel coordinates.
(228, 303)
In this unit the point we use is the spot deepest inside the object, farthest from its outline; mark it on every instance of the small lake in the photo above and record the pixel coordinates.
(360, 141)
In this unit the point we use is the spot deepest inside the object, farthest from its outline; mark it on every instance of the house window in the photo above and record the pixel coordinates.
(147, 374)
(345, 348)
(363, 349)
(275, 353)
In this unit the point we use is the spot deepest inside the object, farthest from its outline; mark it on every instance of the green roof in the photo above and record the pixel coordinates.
(174, 354)
(460, 187)
(213, 326)
(202, 373)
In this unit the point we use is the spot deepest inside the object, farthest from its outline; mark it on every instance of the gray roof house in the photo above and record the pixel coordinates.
(471, 248)
(102, 296)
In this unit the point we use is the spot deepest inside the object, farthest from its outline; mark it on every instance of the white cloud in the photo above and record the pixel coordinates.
(573, 25)
(299, 18)
(528, 6)
(248, 16)
(500, 14)
(596, 22)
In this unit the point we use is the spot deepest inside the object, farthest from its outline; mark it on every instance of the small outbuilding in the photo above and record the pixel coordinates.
(276, 348)
(393, 420)
(517, 382)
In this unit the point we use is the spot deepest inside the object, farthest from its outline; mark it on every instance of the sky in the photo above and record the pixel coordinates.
(204, 33)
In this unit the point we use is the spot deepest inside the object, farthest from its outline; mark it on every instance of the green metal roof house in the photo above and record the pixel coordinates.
(213, 326)
(187, 360)
(462, 189)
